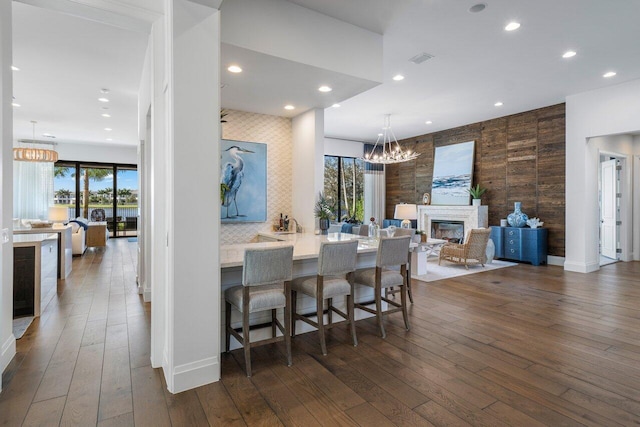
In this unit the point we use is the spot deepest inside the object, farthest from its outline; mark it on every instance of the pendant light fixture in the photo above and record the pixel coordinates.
(387, 150)
(32, 154)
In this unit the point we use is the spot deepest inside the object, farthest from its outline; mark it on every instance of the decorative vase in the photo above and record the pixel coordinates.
(490, 252)
(324, 226)
(476, 202)
(517, 218)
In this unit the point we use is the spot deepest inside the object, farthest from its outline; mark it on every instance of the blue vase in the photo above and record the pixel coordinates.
(517, 218)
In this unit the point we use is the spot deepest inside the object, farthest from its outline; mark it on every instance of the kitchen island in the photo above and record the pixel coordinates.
(306, 248)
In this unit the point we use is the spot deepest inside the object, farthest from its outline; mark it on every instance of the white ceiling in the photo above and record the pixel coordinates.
(65, 61)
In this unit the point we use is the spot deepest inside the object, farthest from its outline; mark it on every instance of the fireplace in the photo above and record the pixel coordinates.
(452, 231)
(471, 216)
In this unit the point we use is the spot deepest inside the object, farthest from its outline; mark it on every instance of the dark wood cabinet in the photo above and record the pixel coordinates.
(24, 278)
(520, 244)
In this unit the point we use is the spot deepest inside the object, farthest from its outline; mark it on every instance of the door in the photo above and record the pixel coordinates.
(608, 209)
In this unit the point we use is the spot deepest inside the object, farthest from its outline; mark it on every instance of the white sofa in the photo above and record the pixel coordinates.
(78, 239)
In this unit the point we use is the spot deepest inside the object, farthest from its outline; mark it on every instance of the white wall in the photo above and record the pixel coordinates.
(607, 111)
(103, 153)
(193, 288)
(7, 340)
(308, 167)
(343, 147)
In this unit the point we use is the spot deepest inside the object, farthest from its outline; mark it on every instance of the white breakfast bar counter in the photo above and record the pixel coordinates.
(306, 248)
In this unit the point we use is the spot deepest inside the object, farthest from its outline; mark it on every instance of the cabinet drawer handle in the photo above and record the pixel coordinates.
(511, 233)
(513, 250)
(511, 242)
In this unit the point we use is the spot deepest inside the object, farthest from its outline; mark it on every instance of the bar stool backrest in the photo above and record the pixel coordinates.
(393, 251)
(266, 266)
(337, 258)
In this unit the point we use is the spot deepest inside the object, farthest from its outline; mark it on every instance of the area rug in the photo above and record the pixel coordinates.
(448, 270)
(20, 326)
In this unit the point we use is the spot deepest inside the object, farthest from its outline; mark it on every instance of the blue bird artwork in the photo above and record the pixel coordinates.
(231, 179)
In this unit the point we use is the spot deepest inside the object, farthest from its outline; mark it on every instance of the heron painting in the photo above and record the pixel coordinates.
(243, 181)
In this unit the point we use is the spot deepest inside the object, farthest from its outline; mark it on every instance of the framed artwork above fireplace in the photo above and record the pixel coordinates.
(452, 174)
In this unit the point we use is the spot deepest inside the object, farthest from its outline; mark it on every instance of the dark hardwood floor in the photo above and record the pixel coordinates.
(519, 346)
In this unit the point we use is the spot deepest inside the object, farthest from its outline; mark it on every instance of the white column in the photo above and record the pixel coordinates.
(193, 214)
(308, 165)
(7, 340)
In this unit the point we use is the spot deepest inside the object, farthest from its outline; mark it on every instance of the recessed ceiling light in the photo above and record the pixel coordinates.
(398, 77)
(609, 74)
(109, 139)
(106, 115)
(103, 100)
(48, 135)
(512, 26)
(104, 90)
(428, 122)
(325, 89)
(14, 68)
(379, 134)
(336, 105)
(477, 8)
(15, 104)
(569, 54)
(108, 129)
(234, 69)
(498, 104)
(289, 107)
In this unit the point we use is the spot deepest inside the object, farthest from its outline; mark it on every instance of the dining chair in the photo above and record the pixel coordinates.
(336, 265)
(266, 285)
(392, 252)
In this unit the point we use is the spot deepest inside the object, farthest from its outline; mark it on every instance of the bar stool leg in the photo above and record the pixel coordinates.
(352, 319)
(294, 312)
(403, 297)
(287, 321)
(246, 342)
(273, 323)
(227, 334)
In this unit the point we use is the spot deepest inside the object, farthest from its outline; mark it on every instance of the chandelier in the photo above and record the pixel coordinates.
(388, 150)
(31, 154)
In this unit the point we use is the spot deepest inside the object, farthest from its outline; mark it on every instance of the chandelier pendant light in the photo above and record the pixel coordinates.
(31, 154)
(387, 150)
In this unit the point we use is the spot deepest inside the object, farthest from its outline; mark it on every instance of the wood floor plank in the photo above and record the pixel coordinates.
(115, 390)
(45, 413)
(218, 406)
(439, 416)
(149, 405)
(366, 415)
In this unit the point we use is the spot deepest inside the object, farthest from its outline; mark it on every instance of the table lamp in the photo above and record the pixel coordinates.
(58, 215)
(406, 212)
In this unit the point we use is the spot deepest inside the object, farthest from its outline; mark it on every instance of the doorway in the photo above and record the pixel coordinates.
(610, 203)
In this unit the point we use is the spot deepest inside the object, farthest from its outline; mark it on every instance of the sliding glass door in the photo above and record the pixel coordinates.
(99, 192)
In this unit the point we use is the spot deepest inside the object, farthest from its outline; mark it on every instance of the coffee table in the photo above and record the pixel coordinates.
(421, 252)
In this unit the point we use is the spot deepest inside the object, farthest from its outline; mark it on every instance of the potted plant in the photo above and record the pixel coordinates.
(476, 192)
(324, 212)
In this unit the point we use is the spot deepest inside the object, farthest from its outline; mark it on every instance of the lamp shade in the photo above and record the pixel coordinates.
(406, 212)
(58, 214)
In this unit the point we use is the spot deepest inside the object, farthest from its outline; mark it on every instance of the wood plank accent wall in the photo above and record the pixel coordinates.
(519, 158)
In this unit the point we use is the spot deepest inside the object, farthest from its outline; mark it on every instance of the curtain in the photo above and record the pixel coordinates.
(374, 190)
(32, 189)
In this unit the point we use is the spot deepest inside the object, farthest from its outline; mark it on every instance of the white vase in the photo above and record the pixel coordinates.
(476, 202)
(491, 251)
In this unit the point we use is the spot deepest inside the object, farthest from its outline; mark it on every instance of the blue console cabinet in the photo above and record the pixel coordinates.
(520, 244)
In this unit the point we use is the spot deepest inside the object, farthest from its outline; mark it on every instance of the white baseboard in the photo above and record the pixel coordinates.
(581, 267)
(7, 351)
(194, 374)
(555, 260)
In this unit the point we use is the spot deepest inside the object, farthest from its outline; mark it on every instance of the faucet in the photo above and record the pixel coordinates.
(298, 227)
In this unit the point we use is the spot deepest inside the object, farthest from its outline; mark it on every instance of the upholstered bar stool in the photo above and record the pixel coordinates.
(405, 232)
(392, 252)
(266, 285)
(336, 264)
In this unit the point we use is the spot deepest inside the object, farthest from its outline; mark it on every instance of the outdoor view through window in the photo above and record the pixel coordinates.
(104, 192)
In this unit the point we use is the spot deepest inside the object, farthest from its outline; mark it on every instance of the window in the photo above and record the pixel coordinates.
(344, 186)
(106, 192)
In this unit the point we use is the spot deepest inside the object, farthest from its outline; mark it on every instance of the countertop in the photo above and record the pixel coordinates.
(20, 240)
(305, 246)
